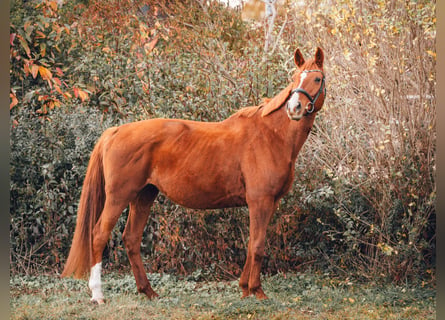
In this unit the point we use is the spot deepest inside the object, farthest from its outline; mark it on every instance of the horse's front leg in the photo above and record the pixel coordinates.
(244, 279)
(260, 212)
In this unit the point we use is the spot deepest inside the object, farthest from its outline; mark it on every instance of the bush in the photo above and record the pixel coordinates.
(48, 164)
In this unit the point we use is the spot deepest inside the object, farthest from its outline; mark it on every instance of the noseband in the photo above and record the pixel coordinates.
(312, 99)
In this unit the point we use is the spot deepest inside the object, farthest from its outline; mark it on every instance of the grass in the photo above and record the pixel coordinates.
(291, 296)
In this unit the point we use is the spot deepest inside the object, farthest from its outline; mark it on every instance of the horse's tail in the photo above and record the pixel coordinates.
(90, 208)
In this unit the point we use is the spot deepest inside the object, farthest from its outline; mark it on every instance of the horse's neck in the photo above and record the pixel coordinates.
(292, 134)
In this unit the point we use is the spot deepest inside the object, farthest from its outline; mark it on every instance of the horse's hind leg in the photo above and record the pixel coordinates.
(137, 219)
(101, 233)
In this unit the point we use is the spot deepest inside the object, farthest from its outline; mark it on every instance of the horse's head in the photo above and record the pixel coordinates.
(308, 87)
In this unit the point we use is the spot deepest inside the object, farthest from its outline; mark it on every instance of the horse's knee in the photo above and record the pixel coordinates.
(258, 254)
(258, 257)
(132, 243)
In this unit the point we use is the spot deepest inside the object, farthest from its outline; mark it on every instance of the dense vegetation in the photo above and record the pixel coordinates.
(363, 202)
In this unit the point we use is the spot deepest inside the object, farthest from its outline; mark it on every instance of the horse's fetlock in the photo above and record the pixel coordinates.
(244, 286)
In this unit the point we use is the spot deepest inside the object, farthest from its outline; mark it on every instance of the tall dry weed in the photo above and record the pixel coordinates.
(375, 139)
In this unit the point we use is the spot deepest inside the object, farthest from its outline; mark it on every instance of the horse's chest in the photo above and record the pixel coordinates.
(286, 182)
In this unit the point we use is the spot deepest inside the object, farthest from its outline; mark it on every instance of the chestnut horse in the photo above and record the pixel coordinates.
(247, 159)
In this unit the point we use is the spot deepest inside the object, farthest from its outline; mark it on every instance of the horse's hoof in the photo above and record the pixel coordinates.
(151, 294)
(260, 295)
(98, 301)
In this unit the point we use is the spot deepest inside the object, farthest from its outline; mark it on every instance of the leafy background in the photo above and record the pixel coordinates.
(363, 201)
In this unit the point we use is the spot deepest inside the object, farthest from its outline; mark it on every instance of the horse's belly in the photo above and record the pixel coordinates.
(196, 199)
(202, 193)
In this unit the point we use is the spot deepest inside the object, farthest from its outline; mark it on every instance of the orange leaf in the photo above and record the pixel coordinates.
(78, 93)
(53, 5)
(26, 69)
(11, 39)
(14, 100)
(40, 35)
(83, 95)
(57, 81)
(149, 46)
(58, 89)
(59, 71)
(45, 73)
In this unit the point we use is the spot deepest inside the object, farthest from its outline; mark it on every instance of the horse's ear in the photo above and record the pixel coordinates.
(277, 101)
(298, 58)
(319, 57)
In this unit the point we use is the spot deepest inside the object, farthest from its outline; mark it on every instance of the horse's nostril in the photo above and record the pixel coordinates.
(298, 106)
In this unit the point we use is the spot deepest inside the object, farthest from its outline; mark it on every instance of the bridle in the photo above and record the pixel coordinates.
(312, 100)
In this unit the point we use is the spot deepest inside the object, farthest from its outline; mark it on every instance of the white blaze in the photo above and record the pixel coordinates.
(295, 98)
(303, 76)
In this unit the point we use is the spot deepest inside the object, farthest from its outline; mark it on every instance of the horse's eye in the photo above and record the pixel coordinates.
(317, 80)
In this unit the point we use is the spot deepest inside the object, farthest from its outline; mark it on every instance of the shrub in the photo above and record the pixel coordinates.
(48, 163)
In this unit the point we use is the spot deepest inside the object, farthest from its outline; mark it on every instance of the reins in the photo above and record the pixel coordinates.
(314, 99)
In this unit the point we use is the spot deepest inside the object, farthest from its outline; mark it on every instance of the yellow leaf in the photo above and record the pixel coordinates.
(431, 53)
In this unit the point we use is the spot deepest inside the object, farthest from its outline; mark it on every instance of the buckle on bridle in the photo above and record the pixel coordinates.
(309, 111)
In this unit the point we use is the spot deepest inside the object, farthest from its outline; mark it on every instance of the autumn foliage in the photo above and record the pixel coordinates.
(363, 202)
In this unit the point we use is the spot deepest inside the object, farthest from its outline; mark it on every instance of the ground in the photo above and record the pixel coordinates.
(292, 296)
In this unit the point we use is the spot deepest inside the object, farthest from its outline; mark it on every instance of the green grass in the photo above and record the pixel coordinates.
(292, 296)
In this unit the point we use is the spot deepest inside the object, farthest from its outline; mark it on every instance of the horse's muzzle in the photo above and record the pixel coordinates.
(295, 110)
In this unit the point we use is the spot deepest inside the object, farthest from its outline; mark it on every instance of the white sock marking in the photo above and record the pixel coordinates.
(95, 282)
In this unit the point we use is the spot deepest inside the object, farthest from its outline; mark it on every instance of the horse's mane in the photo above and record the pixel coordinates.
(249, 112)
